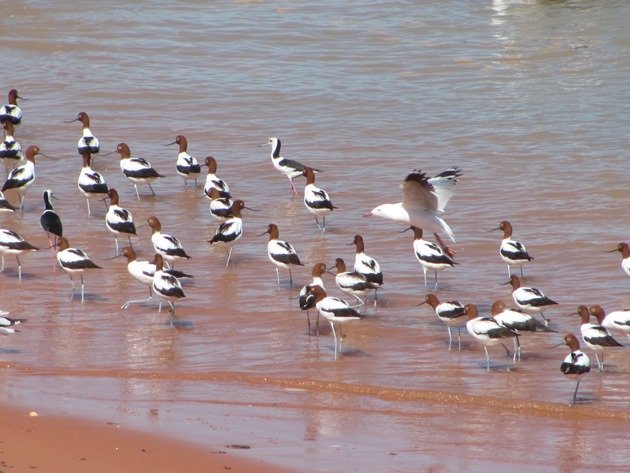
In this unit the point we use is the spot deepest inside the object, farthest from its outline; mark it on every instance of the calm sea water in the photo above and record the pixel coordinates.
(529, 98)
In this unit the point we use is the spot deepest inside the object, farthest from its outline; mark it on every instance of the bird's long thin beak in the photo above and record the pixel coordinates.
(494, 229)
(110, 153)
(114, 257)
(263, 233)
(21, 98)
(71, 121)
(422, 303)
(611, 251)
(555, 346)
(249, 208)
(169, 144)
(405, 230)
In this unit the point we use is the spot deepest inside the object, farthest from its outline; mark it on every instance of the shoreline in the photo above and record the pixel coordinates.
(53, 442)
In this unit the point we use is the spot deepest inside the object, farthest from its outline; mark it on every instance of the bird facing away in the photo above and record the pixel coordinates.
(511, 251)
(281, 253)
(316, 200)
(575, 363)
(50, 220)
(74, 261)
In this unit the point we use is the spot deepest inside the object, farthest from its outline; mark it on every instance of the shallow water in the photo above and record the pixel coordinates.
(528, 98)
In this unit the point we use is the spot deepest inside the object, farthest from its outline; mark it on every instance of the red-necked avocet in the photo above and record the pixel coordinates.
(118, 219)
(511, 251)
(88, 143)
(366, 265)
(306, 298)
(214, 182)
(316, 200)
(230, 231)
(624, 249)
(13, 244)
(529, 299)
(430, 256)
(617, 321)
(11, 111)
(516, 321)
(576, 363)
(281, 253)
(74, 261)
(290, 168)
(23, 176)
(424, 201)
(137, 170)
(451, 313)
(220, 207)
(486, 331)
(186, 166)
(168, 246)
(91, 183)
(10, 150)
(166, 285)
(352, 282)
(596, 337)
(143, 271)
(336, 311)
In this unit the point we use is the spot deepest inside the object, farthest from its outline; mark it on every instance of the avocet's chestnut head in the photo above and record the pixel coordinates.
(572, 342)
(340, 264)
(30, 153)
(318, 270)
(113, 196)
(498, 307)
(431, 299)
(598, 312)
(154, 223)
(471, 311)
(63, 243)
(129, 253)
(124, 150)
(212, 164)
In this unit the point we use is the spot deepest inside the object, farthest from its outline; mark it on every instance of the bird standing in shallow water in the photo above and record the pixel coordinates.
(316, 200)
(13, 244)
(23, 176)
(91, 183)
(486, 331)
(214, 182)
(10, 149)
(88, 143)
(352, 282)
(187, 166)
(166, 285)
(50, 221)
(512, 252)
(424, 201)
(529, 299)
(74, 261)
(281, 253)
(334, 310)
(306, 298)
(366, 265)
(137, 170)
(430, 256)
(617, 321)
(451, 313)
(118, 220)
(230, 231)
(167, 246)
(596, 337)
(290, 168)
(576, 363)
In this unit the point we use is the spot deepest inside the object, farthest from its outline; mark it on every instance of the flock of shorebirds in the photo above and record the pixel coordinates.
(424, 200)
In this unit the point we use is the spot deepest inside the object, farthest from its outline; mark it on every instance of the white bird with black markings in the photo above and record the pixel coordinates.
(316, 200)
(352, 282)
(281, 253)
(486, 331)
(74, 261)
(336, 311)
(166, 285)
(516, 321)
(511, 251)
(186, 166)
(88, 143)
(617, 321)
(23, 176)
(220, 207)
(451, 313)
(50, 220)
(168, 246)
(306, 299)
(213, 181)
(143, 271)
(10, 149)
(290, 168)
(118, 219)
(91, 183)
(596, 337)
(576, 363)
(11, 111)
(230, 231)
(529, 299)
(430, 256)
(366, 265)
(13, 244)
(137, 170)
(424, 202)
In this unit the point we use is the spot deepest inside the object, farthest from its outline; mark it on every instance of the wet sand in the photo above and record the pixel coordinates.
(63, 444)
